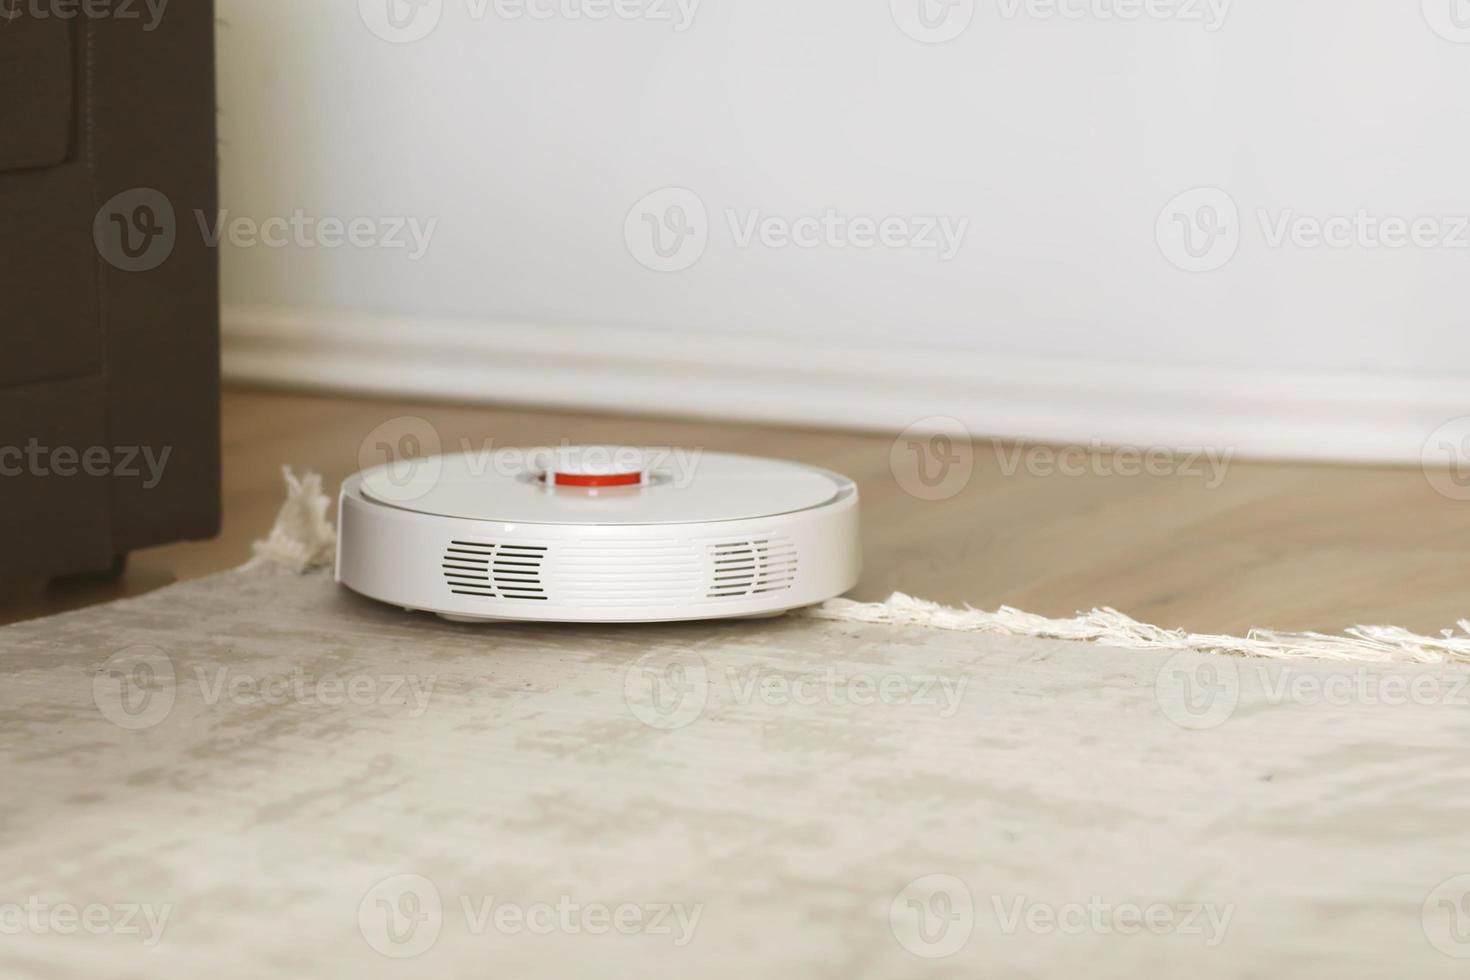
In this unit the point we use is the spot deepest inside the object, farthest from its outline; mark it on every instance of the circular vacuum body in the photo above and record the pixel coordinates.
(598, 534)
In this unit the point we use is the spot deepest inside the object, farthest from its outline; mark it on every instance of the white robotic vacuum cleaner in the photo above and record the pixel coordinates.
(598, 534)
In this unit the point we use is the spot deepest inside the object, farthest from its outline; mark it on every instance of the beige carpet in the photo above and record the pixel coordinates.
(259, 774)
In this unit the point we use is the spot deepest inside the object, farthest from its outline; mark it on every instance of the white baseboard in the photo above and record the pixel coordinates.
(1329, 416)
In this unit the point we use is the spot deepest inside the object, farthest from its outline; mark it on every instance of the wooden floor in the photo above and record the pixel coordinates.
(1284, 546)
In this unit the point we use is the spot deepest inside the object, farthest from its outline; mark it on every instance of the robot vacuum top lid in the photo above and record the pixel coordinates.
(599, 485)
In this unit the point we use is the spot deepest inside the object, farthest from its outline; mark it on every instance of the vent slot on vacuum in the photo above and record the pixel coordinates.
(495, 571)
(753, 567)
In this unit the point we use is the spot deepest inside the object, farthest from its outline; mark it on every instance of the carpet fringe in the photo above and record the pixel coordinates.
(1108, 627)
(304, 539)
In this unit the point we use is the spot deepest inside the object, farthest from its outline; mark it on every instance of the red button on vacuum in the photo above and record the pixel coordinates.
(607, 480)
(597, 466)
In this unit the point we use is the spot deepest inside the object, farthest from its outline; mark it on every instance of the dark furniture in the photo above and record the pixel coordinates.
(109, 311)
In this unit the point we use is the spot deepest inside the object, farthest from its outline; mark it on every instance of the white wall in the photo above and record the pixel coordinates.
(1060, 140)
